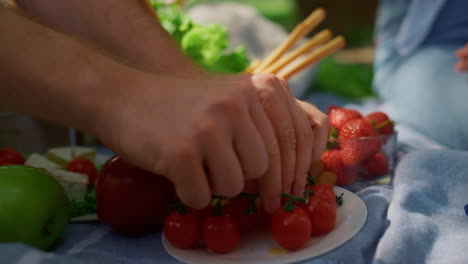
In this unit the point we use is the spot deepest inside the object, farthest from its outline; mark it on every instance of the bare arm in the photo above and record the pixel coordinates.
(151, 120)
(122, 27)
(43, 72)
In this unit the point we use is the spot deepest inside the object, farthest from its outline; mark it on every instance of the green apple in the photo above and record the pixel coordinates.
(34, 208)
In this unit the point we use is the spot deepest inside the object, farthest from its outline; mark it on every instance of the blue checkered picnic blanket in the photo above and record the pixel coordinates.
(419, 219)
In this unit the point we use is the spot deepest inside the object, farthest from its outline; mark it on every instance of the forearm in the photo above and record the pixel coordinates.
(123, 28)
(50, 76)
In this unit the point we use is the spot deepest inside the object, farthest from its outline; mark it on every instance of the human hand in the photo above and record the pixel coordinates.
(208, 138)
(462, 54)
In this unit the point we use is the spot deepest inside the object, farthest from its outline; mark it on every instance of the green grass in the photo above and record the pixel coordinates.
(353, 81)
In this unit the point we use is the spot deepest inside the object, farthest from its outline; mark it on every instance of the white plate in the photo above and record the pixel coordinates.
(260, 248)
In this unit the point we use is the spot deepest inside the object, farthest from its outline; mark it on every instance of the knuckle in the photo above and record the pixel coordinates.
(268, 79)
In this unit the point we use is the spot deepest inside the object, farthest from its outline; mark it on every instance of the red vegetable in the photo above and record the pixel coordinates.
(321, 209)
(84, 166)
(244, 211)
(10, 156)
(291, 228)
(132, 201)
(182, 230)
(220, 233)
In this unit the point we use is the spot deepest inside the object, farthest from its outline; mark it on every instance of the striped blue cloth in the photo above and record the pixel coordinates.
(420, 219)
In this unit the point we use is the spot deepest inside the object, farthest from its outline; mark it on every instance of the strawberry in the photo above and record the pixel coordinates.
(331, 107)
(359, 141)
(332, 161)
(350, 176)
(340, 116)
(377, 165)
(381, 122)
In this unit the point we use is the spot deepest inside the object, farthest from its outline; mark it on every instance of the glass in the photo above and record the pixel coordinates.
(379, 167)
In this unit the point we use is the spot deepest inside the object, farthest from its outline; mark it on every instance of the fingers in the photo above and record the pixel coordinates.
(462, 54)
(223, 168)
(189, 178)
(221, 163)
(304, 142)
(462, 66)
(249, 145)
(275, 104)
(269, 186)
(320, 126)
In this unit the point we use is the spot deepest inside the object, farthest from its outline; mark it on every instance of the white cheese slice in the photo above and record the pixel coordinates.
(74, 184)
(63, 155)
(36, 160)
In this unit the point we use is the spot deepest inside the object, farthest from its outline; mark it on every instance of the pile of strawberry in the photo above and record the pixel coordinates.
(356, 144)
(220, 227)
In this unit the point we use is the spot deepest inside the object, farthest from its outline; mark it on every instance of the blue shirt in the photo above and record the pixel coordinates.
(451, 25)
(432, 22)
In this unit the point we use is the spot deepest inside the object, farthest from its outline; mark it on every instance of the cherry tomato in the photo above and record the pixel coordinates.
(322, 191)
(182, 230)
(292, 229)
(84, 166)
(244, 212)
(321, 209)
(220, 233)
(10, 156)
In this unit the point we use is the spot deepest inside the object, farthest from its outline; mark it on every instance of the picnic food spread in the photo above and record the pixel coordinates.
(66, 182)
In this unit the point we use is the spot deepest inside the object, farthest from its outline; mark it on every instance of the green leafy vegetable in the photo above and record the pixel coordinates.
(206, 44)
(84, 206)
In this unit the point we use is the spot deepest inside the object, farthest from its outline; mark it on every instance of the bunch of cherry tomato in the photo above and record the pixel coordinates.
(220, 226)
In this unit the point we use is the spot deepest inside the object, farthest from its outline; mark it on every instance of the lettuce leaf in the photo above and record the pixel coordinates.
(207, 44)
(84, 206)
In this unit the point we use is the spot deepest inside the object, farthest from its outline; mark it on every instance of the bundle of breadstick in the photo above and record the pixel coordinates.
(312, 51)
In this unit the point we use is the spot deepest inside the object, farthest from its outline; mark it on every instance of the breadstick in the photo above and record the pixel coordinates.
(299, 31)
(314, 42)
(316, 55)
(252, 66)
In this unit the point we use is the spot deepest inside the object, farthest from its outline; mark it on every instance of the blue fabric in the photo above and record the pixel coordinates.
(451, 25)
(417, 23)
(420, 219)
(421, 87)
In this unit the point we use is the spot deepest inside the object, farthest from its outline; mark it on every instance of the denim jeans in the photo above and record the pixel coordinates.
(422, 88)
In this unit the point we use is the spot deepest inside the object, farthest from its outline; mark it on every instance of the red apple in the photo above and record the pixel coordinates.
(133, 202)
